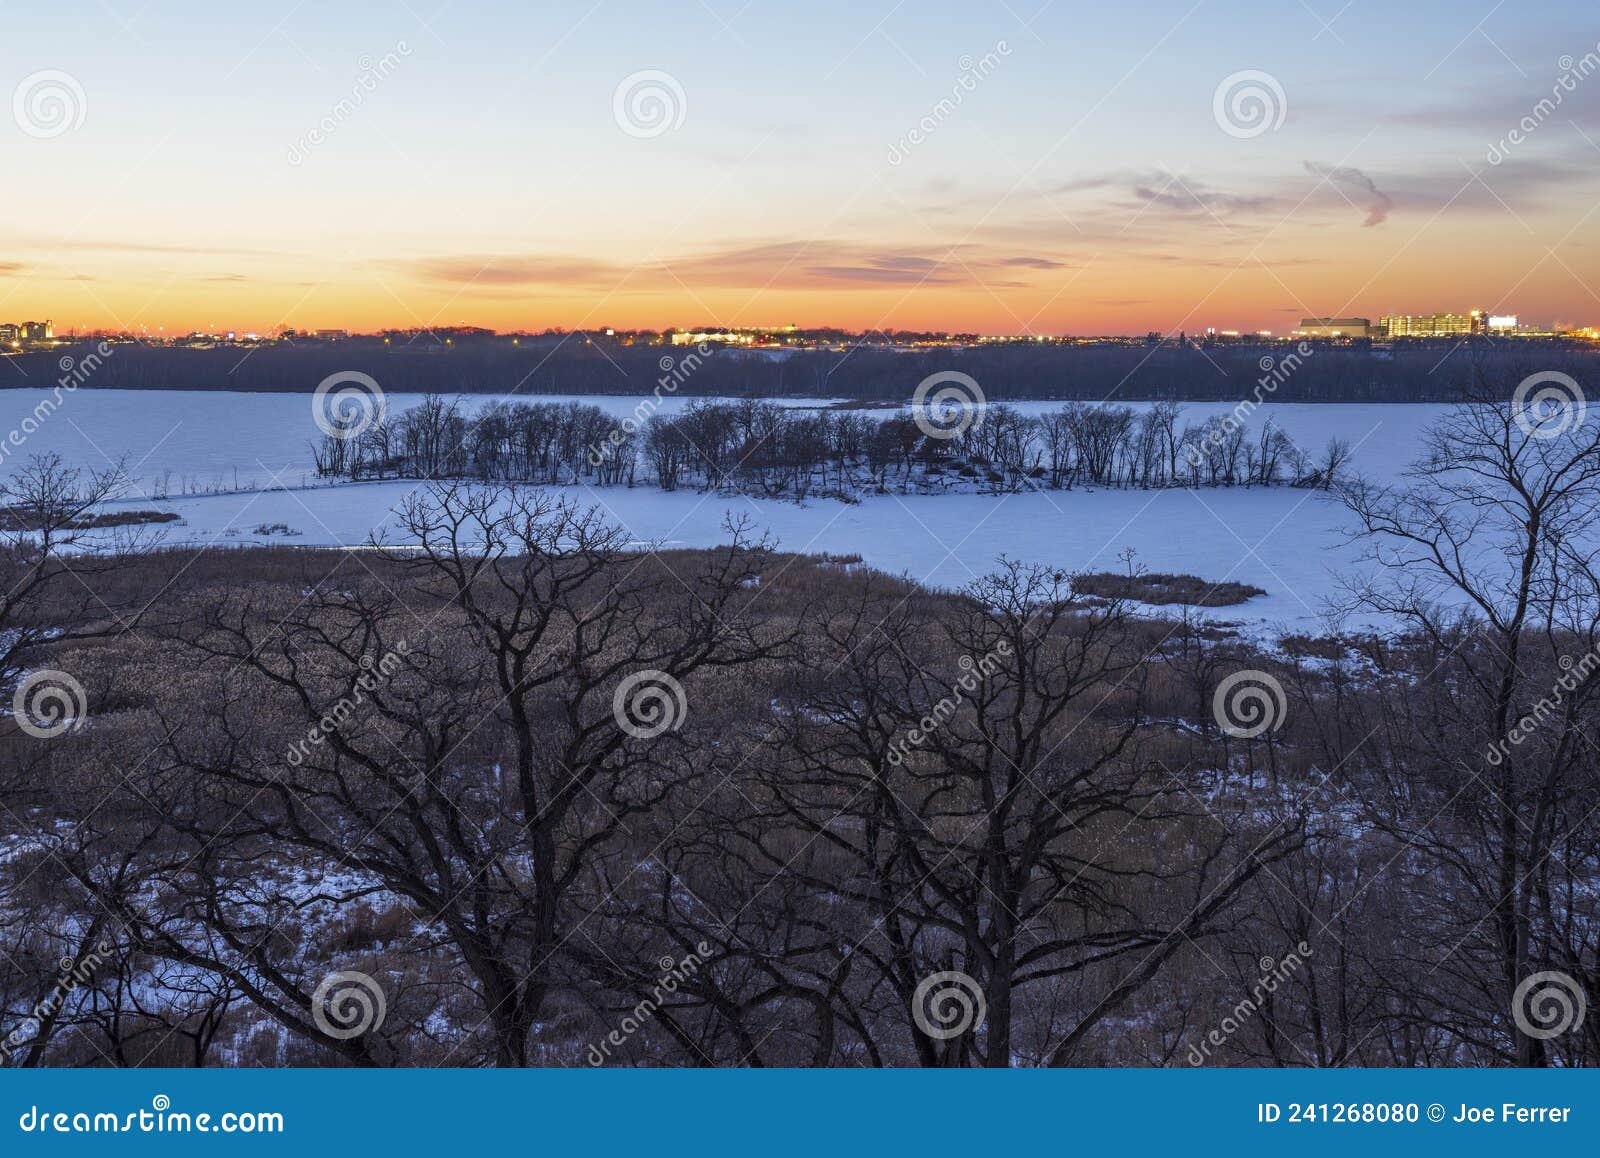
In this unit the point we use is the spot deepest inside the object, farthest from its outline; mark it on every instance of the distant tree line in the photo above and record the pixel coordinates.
(762, 448)
(574, 365)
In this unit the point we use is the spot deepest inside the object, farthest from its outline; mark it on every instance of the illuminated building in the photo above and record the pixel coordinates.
(1432, 325)
(1335, 328)
(737, 335)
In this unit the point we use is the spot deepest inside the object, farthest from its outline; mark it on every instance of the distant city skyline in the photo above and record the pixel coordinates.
(987, 167)
(1383, 328)
(1431, 323)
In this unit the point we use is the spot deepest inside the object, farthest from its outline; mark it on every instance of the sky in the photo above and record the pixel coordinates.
(1000, 166)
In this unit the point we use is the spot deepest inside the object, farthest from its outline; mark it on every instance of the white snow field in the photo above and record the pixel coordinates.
(1289, 542)
(204, 441)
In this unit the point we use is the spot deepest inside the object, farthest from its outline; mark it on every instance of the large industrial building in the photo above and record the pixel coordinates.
(1335, 328)
(1433, 325)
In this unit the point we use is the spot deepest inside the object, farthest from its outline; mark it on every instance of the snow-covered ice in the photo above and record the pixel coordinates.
(1287, 541)
(1284, 541)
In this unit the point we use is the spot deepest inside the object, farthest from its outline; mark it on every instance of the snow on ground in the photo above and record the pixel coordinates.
(200, 441)
(1286, 541)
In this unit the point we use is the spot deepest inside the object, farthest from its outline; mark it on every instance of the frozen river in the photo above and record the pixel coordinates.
(192, 445)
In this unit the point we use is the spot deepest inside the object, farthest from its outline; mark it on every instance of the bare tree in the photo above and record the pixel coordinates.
(498, 761)
(1484, 553)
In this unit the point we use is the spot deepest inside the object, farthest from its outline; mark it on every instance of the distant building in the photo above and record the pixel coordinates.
(737, 335)
(1433, 325)
(37, 331)
(330, 335)
(1335, 328)
(8, 334)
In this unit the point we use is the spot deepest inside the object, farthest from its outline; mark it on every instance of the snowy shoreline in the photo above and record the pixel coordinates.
(1290, 542)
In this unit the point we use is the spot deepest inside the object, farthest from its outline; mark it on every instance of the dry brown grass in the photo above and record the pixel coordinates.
(20, 519)
(1160, 589)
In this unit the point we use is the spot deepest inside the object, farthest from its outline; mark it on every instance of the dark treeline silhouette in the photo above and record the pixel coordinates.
(762, 448)
(1409, 372)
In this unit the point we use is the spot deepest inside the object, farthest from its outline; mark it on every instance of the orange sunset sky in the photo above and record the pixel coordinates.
(997, 167)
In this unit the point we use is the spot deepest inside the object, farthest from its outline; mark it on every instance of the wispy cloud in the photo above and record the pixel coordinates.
(1375, 201)
(794, 264)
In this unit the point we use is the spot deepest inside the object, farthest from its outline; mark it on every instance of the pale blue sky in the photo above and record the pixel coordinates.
(487, 177)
